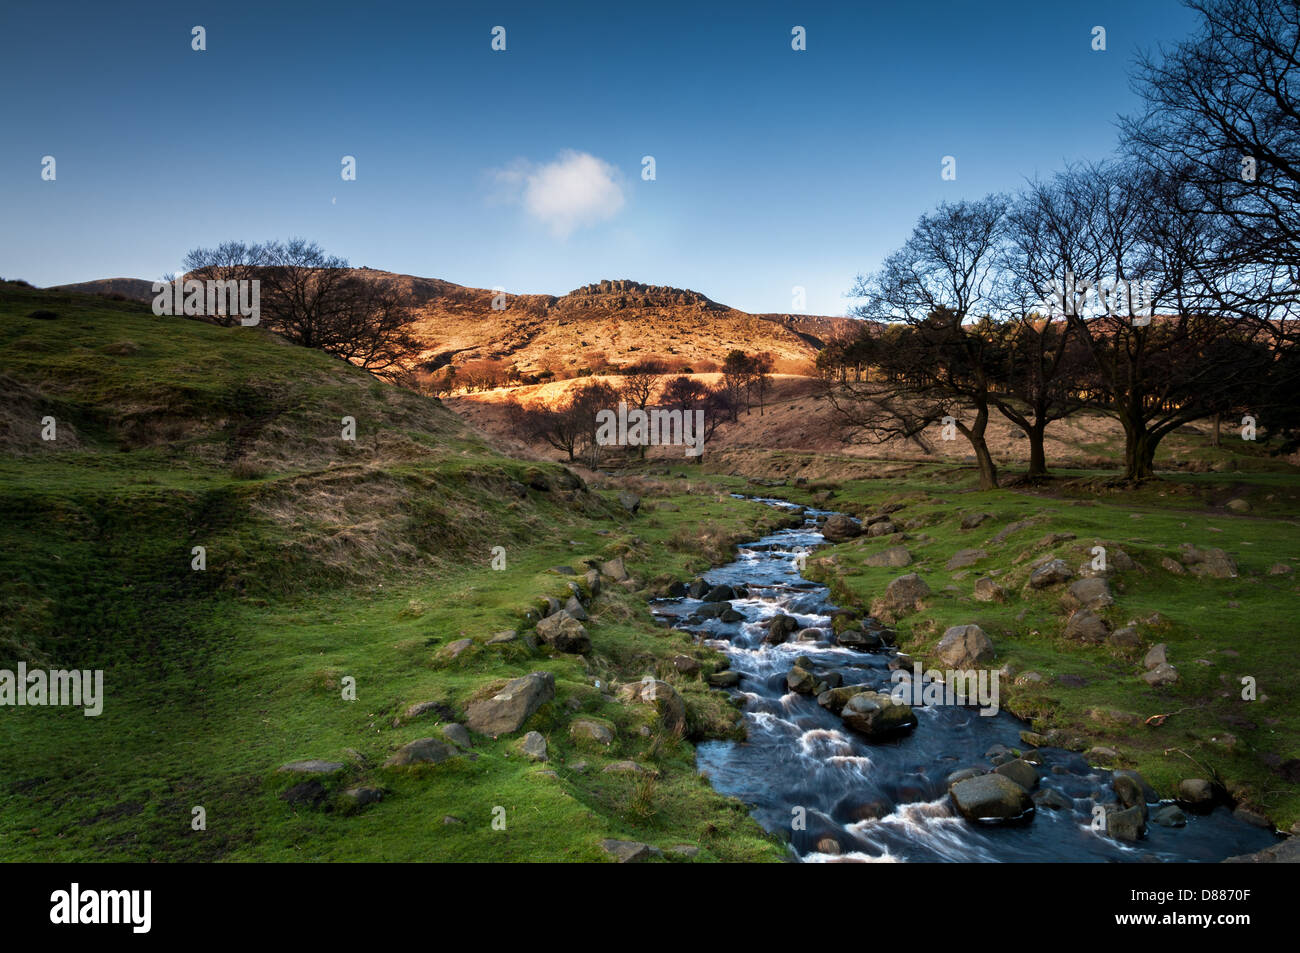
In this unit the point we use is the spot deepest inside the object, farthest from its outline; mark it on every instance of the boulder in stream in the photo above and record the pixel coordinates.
(779, 628)
(877, 715)
(991, 798)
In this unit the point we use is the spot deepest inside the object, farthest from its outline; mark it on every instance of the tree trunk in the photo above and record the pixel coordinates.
(988, 469)
(1139, 453)
(1037, 453)
(975, 434)
(1218, 430)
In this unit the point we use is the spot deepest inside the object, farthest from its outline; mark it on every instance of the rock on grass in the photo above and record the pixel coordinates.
(507, 710)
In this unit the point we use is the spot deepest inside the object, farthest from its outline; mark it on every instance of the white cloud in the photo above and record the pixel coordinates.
(574, 191)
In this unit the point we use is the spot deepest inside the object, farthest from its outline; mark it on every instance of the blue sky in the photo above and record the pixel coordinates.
(522, 168)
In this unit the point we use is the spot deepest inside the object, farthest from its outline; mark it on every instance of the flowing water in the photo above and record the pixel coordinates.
(887, 801)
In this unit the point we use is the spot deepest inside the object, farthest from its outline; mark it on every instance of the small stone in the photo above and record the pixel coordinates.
(964, 558)
(314, 766)
(421, 751)
(1052, 573)
(360, 797)
(892, 556)
(624, 767)
(991, 797)
(964, 647)
(1019, 771)
(454, 650)
(457, 735)
(1092, 592)
(686, 664)
(534, 746)
(614, 569)
(626, 851)
(1101, 755)
(1196, 793)
(1126, 825)
(1168, 815)
(986, 590)
(1125, 638)
(1157, 655)
(565, 633)
(800, 680)
(1086, 626)
(587, 729)
(1161, 675)
(1053, 800)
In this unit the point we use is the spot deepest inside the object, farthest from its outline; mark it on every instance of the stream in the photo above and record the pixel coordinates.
(887, 801)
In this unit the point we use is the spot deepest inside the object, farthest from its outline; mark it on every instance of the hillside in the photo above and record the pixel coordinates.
(329, 566)
(135, 289)
(619, 322)
(616, 321)
(367, 566)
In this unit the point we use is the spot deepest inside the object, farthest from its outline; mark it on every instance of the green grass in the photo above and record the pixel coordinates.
(329, 560)
(325, 561)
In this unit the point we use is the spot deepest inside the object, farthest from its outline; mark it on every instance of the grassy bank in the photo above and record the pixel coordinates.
(329, 563)
(1218, 630)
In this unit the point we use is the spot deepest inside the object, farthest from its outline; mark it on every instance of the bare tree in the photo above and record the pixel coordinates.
(229, 261)
(1222, 116)
(314, 299)
(638, 387)
(941, 288)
